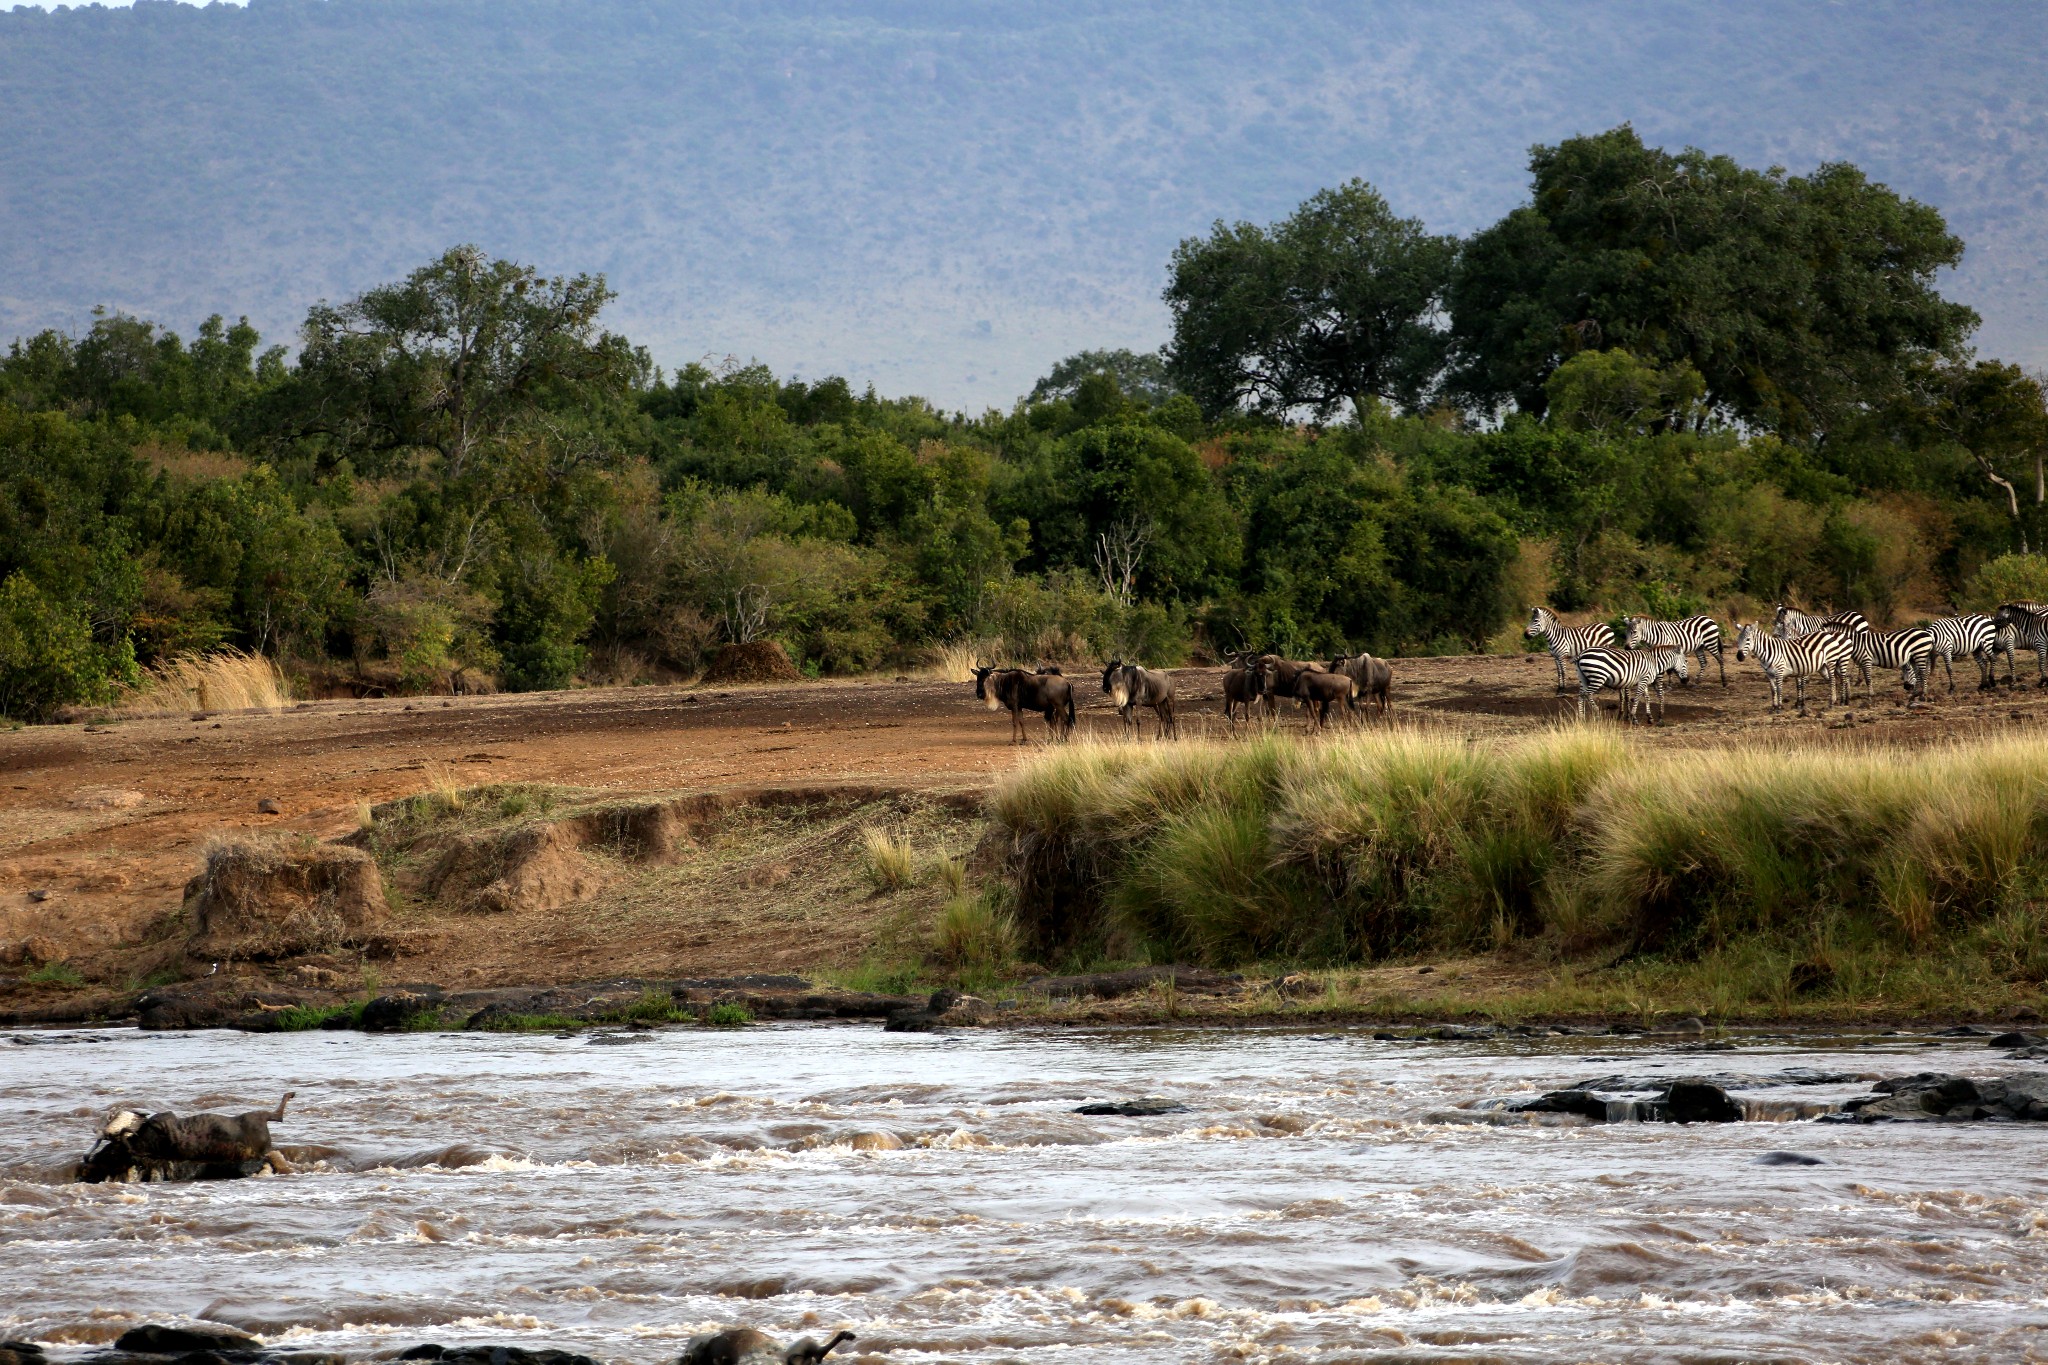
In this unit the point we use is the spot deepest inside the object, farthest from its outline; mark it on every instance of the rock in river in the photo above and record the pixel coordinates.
(1932, 1095)
(1133, 1109)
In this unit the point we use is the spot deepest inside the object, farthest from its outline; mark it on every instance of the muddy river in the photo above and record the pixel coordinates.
(1323, 1198)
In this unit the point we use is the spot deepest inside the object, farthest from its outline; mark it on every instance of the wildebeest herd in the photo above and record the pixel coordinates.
(1795, 647)
(1340, 690)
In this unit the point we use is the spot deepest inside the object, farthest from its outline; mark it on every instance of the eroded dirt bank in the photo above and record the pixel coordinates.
(103, 827)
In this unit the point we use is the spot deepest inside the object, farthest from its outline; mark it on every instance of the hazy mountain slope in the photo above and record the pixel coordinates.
(938, 197)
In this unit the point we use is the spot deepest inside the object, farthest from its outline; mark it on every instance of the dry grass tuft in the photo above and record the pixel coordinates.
(444, 787)
(890, 861)
(951, 875)
(974, 936)
(223, 680)
(956, 660)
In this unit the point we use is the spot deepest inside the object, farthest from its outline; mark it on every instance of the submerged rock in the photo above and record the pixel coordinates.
(170, 1341)
(1658, 1099)
(1787, 1159)
(1933, 1095)
(495, 1355)
(1133, 1109)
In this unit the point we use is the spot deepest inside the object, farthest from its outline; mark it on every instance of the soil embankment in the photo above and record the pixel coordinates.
(103, 827)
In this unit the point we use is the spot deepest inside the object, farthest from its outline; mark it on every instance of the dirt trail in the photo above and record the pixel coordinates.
(106, 821)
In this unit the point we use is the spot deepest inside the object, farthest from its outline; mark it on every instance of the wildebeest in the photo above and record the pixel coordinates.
(1317, 690)
(1320, 691)
(1049, 694)
(1276, 677)
(170, 1146)
(747, 1346)
(1130, 687)
(1240, 689)
(1375, 678)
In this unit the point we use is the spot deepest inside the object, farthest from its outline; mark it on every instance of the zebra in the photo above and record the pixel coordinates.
(1975, 635)
(1825, 653)
(1700, 635)
(1631, 675)
(2027, 623)
(1791, 624)
(1567, 642)
(1911, 651)
(2006, 641)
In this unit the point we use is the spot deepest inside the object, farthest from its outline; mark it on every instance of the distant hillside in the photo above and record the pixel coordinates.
(938, 197)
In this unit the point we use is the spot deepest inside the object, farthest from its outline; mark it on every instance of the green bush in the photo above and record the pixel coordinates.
(48, 658)
(728, 1014)
(2008, 578)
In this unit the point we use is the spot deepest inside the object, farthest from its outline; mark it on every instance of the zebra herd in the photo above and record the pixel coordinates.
(1798, 646)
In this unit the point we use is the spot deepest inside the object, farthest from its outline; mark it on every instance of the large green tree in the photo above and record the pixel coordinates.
(461, 356)
(1801, 300)
(1333, 305)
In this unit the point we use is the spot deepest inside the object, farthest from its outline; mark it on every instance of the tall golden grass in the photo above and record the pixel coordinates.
(1409, 841)
(220, 680)
(955, 661)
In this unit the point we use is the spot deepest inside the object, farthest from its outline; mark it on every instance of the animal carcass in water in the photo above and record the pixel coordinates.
(135, 1147)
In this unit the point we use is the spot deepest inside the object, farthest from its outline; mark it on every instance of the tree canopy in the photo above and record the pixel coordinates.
(1327, 308)
(1802, 301)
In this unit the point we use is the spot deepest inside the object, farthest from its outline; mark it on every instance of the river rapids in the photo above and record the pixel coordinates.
(1324, 1197)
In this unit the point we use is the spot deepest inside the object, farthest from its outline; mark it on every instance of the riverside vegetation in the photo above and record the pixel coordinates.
(1826, 881)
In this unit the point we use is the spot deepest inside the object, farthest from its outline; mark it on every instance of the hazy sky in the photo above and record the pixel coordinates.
(936, 198)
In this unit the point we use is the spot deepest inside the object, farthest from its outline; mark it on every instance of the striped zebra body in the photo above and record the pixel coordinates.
(1974, 636)
(1631, 675)
(1826, 653)
(1567, 642)
(1791, 624)
(2027, 625)
(2005, 640)
(1911, 651)
(1695, 635)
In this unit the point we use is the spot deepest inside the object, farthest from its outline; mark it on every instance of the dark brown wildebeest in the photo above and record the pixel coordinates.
(184, 1147)
(1240, 689)
(1373, 676)
(1317, 692)
(1130, 687)
(1049, 694)
(1276, 676)
(747, 1346)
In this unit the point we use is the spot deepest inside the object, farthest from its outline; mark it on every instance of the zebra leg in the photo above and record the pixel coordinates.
(1720, 662)
(1585, 693)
